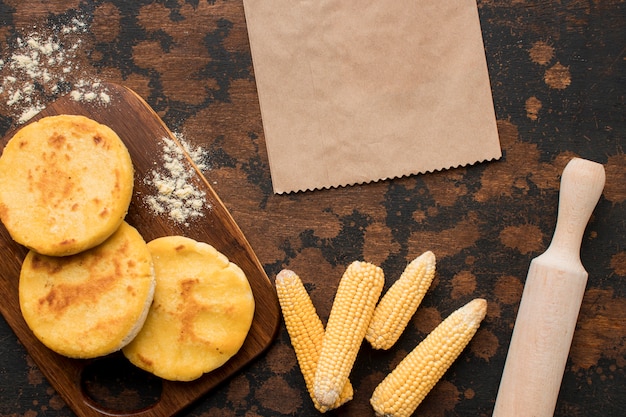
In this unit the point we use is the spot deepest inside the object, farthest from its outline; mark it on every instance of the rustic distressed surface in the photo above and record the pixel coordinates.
(558, 75)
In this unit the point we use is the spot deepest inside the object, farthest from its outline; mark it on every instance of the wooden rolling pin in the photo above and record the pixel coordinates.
(550, 302)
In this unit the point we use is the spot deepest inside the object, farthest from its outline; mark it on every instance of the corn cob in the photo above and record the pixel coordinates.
(399, 394)
(352, 310)
(306, 332)
(400, 302)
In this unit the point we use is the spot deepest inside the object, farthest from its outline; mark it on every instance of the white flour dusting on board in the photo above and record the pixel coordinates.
(175, 194)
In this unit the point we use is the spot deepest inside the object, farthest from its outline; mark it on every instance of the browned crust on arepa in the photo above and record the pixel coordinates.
(67, 182)
(202, 311)
(92, 303)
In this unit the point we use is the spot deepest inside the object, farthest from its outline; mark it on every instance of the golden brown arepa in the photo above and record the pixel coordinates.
(66, 184)
(201, 314)
(92, 303)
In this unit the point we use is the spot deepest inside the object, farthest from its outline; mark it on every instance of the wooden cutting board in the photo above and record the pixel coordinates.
(142, 131)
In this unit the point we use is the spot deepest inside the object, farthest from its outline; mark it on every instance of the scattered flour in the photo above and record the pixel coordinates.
(175, 194)
(41, 67)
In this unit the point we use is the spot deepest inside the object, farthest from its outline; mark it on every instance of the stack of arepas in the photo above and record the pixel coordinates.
(90, 284)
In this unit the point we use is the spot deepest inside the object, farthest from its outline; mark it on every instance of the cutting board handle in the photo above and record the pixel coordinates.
(551, 300)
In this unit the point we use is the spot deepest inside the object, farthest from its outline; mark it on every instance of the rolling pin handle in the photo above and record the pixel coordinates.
(582, 183)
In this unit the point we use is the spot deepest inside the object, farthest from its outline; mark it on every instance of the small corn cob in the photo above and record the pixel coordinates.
(352, 310)
(399, 394)
(306, 331)
(395, 309)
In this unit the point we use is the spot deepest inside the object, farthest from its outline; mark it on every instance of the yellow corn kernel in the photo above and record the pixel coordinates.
(395, 309)
(352, 310)
(306, 331)
(399, 394)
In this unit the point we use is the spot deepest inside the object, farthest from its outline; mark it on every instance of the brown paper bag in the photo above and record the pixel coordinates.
(358, 91)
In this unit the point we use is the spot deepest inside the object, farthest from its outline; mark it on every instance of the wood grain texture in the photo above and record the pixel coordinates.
(143, 131)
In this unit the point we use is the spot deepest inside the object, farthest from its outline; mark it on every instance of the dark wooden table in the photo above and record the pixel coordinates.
(558, 75)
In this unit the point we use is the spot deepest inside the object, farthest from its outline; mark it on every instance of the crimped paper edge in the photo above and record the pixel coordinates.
(388, 178)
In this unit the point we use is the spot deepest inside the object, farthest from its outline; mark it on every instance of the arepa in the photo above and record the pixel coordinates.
(201, 314)
(89, 304)
(66, 184)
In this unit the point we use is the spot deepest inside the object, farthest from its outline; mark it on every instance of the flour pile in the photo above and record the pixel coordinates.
(175, 193)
